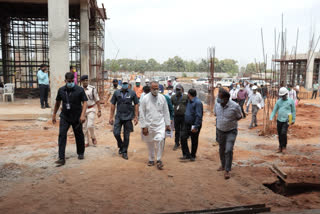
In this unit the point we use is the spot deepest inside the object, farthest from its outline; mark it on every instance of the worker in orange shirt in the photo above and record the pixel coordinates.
(138, 88)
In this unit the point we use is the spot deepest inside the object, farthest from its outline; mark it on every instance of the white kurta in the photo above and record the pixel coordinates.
(154, 115)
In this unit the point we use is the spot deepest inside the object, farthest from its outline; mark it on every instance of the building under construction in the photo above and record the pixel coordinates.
(58, 33)
(302, 69)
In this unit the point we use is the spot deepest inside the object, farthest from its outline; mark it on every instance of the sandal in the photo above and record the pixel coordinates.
(159, 165)
(227, 175)
(151, 163)
(220, 169)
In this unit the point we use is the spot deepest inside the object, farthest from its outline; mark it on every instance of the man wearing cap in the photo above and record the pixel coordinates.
(285, 107)
(138, 88)
(147, 82)
(93, 101)
(257, 103)
(126, 112)
(179, 101)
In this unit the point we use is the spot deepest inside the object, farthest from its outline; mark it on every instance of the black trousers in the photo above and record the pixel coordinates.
(44, 90)
(235, 100)
(186, 132)
(78, 134)
(315, 94)
(226, 142)
(282, 128)
(178, 123)
(241, 103)
(127, 128)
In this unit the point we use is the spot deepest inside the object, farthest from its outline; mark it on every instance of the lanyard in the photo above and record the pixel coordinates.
(67, 96)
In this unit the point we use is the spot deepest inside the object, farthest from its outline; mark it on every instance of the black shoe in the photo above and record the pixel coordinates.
(192, 159)
(151, 163)
(125, 156)
(43, 107)
(159, 165)
(47, 106)
(184, 158)
(60, 162)
(81, 157)
(120, 152)
(176, 147)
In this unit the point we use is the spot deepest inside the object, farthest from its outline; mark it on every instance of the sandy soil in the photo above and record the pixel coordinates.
(105, 183)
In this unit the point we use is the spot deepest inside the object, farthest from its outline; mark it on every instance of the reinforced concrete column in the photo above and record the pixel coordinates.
(309, 73)
(84, 37)
(58, 23)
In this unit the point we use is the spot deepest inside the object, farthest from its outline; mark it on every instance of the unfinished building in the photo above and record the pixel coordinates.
(58, 33)
(302, 69)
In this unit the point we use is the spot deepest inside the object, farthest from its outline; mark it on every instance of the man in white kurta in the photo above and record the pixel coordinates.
(154, 121)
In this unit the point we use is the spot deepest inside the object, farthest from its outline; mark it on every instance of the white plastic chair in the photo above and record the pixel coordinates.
(8, 91)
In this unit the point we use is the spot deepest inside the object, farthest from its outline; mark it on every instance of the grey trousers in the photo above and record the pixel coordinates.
(226, 142)
(255, 110)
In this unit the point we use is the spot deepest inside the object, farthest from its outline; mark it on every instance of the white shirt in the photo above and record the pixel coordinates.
(293, 95)
(154, 113)
(249, 90)
(256, 99)
(92, 96)
(233, 93)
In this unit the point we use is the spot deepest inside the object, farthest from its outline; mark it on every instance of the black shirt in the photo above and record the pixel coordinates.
(125, 109)
(76, 96)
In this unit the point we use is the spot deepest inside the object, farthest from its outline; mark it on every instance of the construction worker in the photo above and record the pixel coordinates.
(286, 116)
(257, 103)
(138, 88)
(93, 101)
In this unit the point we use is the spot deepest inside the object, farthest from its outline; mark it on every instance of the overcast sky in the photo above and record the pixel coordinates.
(161, 29)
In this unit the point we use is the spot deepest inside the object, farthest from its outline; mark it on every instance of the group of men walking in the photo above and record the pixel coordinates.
(151, 109)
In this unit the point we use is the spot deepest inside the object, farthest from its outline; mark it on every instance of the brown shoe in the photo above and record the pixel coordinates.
(94, 141)
(279, 150)
(227, 175)
(220, 169)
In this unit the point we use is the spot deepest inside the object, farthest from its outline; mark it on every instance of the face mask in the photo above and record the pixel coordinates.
(178, 93)
(138, 84)
(170, 91)
(125, 86)
(115, 85)
(70, 84)
(154, 92)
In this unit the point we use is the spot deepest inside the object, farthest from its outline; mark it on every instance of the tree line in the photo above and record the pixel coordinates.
(177, 64)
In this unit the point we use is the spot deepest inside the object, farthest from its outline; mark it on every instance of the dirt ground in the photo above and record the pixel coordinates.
(105, 183)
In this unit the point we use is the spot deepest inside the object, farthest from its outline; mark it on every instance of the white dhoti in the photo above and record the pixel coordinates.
(155, 142)
(88, 126)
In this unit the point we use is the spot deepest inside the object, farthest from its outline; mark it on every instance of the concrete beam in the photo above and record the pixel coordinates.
(58, 23)
(84, 37)
(309, 73)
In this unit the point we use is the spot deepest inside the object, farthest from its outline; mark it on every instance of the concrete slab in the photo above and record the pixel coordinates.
(23, 109)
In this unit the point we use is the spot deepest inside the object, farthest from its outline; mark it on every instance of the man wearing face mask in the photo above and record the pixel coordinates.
(286, 109)
(126, 112)
(138, 88)
(170, 91)
(257, 103)
(113, 88)
(74, 106)
(179, 102)
(191, 126)
(227, 113)
(155, 121)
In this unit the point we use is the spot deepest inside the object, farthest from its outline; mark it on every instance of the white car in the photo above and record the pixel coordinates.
(225, 82)
(201, 81)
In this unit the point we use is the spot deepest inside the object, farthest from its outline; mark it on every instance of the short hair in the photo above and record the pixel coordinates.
(71, 66)
(69, 75)
(146, 89)
(43, 65)
(192, 92)
(155, 82)
(224, 93)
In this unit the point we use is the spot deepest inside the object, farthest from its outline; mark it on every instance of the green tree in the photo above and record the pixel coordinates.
(229, 66)
(153, 65)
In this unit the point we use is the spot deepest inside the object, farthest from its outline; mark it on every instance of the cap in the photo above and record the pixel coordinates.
(147, 80)
(84, 77)
(254, 87)
(125, 80)
(138, 80)
(179, 87)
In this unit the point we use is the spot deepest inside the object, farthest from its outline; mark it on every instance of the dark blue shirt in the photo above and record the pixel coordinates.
(124, 100)
(194, 112)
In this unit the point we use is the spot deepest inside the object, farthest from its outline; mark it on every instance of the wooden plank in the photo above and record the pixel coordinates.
(277, 173)
(283, 174)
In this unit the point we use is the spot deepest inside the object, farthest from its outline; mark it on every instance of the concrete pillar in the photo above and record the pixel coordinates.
(58, 23)
(84, 37)
(309, 73)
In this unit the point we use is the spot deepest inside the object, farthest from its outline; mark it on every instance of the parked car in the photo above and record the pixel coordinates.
(201, 81)
(225, 82)
(160, 80)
